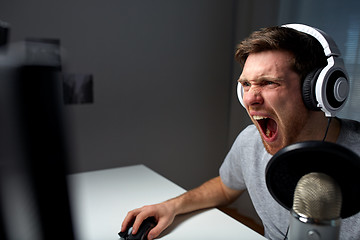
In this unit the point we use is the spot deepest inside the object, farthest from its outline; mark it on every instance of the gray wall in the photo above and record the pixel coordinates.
(162, 73)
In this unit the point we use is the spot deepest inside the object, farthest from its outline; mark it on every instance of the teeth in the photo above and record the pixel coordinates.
(267, 133)
(259, 117)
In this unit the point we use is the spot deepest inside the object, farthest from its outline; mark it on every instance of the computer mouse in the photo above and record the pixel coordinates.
(142, 233)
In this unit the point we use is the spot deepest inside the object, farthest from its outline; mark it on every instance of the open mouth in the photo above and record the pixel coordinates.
(268, 126)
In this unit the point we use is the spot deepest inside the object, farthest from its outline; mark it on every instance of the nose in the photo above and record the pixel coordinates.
(253, 96)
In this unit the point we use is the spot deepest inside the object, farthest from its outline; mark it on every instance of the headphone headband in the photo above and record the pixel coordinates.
(328, 44)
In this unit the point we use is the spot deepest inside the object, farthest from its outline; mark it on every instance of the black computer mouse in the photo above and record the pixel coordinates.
(142, 233)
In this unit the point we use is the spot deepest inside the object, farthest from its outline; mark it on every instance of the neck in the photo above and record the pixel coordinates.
(333, 131)
(319, 124)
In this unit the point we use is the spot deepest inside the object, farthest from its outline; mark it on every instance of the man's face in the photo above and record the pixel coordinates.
(272, 97)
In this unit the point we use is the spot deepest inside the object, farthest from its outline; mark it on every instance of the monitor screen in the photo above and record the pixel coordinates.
(34, 201)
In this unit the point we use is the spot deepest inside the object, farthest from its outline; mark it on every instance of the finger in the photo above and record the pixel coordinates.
(138, 220)
(154, 233)
(157, 230)
(126, 222)
(129, 219)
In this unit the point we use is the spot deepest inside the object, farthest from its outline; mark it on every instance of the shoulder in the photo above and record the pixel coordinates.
(248, 146)
(236, 169)
(350, 125)
(350, 135)
(349, 128)
(248, 137)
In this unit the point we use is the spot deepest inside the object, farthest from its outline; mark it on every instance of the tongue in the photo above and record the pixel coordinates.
(271, 125)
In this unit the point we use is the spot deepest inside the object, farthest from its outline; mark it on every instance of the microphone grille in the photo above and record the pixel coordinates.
(318, 196)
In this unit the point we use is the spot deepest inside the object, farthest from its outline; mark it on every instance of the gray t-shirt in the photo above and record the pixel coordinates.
(244, 168)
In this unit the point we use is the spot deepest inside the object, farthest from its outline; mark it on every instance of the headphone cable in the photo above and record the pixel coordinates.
(327, 128)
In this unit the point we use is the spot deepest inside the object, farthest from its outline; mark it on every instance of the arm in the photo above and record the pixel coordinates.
(210, 194)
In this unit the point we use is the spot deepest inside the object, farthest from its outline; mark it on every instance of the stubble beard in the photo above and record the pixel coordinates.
(287, 135)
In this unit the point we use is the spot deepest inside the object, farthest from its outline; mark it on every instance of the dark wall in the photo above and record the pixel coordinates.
(162, 73)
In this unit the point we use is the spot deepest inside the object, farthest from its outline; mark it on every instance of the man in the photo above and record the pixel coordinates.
(275, 62)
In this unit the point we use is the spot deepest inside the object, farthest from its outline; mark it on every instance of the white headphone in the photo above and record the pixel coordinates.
(326, 88)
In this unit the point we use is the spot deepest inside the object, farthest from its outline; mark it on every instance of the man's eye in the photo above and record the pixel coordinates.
(245, 84)
(270, 83)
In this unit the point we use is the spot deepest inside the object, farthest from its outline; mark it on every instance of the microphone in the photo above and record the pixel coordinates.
(315, 214)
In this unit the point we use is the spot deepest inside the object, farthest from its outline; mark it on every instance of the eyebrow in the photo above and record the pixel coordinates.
(264, 78)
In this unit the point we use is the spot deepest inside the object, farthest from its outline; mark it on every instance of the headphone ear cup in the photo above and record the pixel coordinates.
(240, 93)
(308, 90)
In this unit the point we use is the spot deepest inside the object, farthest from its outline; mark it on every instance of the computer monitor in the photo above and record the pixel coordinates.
(34, 200)
(4, 33)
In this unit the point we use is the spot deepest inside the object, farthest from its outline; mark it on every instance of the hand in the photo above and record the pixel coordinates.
(164, 214)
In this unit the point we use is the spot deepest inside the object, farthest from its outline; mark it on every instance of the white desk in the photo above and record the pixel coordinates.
(101, 199)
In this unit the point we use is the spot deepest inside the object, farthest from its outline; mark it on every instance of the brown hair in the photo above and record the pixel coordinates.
(307, 51)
